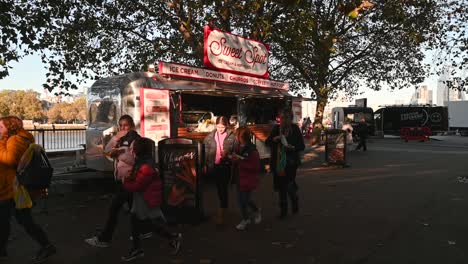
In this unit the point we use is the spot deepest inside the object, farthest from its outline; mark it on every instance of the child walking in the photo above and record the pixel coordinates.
(248, 161)
(145, 184)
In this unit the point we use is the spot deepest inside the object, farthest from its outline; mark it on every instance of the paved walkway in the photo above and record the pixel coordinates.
(388, 207)
(452, 139)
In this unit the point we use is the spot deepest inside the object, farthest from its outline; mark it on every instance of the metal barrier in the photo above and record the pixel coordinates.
(415, 133)
(55, 140)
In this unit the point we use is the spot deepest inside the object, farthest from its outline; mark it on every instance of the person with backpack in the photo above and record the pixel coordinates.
(118, 148)
(14, 142)
(247, 161)
(145, 185)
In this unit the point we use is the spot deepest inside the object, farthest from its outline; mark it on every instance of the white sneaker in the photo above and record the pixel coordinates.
(243, 224)
(175, 243)
(257, 217)
(95, 242)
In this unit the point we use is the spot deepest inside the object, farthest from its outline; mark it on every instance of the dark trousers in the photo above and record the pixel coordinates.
(157, 225)
(362, 143)
(6, 209)
(287, 187)
(222, 174)
(245, 202)
(24, 218)
(120, 198)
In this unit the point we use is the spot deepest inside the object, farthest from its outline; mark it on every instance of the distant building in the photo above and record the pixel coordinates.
(445, 94)
(50, 98)
(422, 95)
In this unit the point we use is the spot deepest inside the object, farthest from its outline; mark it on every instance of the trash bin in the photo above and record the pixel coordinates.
(335, 147)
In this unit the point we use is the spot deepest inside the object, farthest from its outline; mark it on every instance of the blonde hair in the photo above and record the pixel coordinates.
(13, 124)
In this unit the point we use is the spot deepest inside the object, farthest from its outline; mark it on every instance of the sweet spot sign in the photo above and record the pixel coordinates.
(231, 53)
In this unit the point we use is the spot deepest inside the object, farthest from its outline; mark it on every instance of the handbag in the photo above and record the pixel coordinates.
(22, 198)
(281, 161)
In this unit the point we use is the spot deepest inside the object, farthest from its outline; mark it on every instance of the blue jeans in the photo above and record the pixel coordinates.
(245, 202)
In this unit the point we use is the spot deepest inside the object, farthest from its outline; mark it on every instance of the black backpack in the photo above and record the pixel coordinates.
(34, 170)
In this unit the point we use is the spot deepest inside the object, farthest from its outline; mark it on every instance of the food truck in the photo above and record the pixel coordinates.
(184, 101)
(164, 107)
(353, 115)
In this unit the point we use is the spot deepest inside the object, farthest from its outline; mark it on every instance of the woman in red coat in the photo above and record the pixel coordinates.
(145, 185)
(248, 161)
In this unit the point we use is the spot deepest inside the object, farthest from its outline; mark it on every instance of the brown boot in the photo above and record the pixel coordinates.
(219, 219)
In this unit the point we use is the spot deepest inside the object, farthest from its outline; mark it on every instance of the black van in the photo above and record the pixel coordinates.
(391, 119)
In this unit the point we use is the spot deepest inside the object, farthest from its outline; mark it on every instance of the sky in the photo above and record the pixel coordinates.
(30, 73)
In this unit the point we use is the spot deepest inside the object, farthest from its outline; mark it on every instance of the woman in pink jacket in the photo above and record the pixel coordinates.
(248, 161)
(119, 149)
(144, 183)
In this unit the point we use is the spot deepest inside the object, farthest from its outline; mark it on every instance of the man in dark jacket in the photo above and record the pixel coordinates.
(362, 132)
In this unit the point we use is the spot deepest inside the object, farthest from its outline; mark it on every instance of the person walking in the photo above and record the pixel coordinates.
(348, 128)
(144, 183)
(247, 161)
(218, 145)
(304, 126)
(362, 132)
(308, 123)
(14, 142)
(285, 142)
(119, 149)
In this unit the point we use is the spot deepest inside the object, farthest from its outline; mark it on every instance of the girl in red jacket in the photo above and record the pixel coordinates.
(145, 184)
(248, 161)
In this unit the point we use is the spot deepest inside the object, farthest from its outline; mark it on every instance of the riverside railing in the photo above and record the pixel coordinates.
(62, 139)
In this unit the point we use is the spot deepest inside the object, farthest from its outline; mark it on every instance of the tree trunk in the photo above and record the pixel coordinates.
(321, 103)
(322, 99)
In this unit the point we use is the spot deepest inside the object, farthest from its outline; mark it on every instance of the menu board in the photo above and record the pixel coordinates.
(180, 163)
(335, 147)
(297, 110)
(154, 111)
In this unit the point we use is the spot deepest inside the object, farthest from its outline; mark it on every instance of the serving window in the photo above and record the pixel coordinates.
(262, 110)
(199, 112)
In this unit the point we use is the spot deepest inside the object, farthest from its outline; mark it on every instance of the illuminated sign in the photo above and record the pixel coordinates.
(231, 53)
